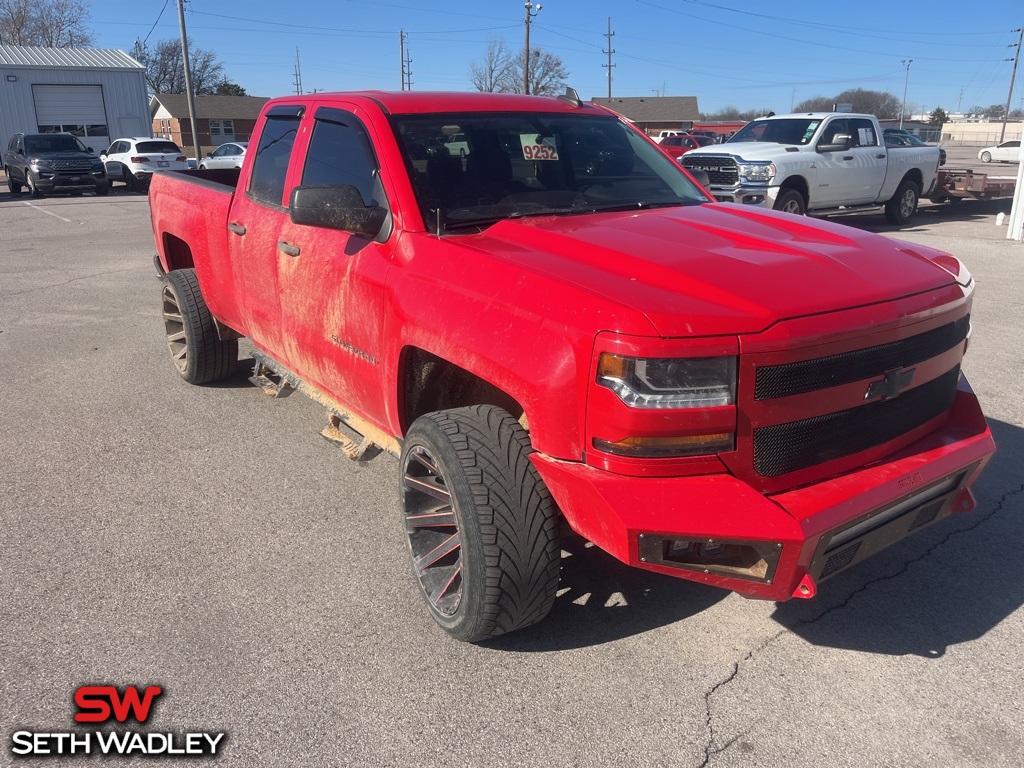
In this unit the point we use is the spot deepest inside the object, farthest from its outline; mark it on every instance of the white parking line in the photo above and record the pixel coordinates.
(43, 210)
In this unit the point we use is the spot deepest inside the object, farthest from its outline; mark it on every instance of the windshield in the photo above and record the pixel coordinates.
(472, 170)
(797, 130)
(54, 142)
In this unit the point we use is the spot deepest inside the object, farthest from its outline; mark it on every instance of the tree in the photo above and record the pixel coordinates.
(493, 74)
(227, 88)
(938, 116)
(880, 103)
(995, 112)
(501, 71)
(47, 23)
(165, 71)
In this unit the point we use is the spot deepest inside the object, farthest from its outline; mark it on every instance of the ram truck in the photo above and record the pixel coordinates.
(561, 332)
(820, 163)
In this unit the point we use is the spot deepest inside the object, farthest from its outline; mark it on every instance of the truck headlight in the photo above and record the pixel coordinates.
(761, 172)
(669, 382)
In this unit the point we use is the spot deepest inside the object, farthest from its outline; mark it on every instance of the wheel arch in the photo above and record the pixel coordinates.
(798, 184)
(177, 253)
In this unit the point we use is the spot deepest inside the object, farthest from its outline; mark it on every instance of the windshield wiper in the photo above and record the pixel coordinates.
(638, 205)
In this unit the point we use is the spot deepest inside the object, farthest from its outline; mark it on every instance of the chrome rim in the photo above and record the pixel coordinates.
(174, 327)
(907, 204)
(792, 206)
(433, 531)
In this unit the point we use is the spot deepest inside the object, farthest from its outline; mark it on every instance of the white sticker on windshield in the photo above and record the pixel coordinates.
(537, 147)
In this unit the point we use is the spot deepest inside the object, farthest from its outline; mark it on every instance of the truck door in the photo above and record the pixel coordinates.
(854, 175)
(332, 282)
(254, 225)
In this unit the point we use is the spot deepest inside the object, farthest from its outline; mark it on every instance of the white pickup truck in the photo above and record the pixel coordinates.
(818, 163)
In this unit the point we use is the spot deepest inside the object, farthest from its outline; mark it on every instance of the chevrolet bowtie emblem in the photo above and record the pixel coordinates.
(891, 386)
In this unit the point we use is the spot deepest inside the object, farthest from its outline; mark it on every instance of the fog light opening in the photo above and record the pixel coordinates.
(751, 560)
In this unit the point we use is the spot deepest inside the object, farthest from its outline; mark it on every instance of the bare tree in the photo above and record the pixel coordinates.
(501, 71)
(165, 72)
(48, 23)
(492, 74)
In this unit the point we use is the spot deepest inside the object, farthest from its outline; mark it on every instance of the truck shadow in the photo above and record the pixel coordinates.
(930, 214)
(951, 585)
(601, 600)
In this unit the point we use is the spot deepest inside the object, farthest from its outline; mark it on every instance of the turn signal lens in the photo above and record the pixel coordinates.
(664, 447)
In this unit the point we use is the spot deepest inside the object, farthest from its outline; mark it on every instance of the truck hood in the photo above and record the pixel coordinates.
(747, 150)
(716, 268)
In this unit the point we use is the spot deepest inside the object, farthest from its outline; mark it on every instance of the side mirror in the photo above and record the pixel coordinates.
(209, 154)
(103, 153)
(336, 207)
(840, 143)
(701, 177)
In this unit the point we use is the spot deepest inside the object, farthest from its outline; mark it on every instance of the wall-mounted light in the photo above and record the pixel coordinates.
(12, 78)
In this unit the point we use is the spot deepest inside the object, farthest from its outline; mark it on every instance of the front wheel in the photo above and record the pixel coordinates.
(790, 201)
(30, 182)
(903, 205)
(986, 157)
(13, 186)
(482, 528)
(102, 190)
(198, 354)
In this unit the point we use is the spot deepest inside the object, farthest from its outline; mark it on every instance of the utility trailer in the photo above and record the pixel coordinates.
(955, 184)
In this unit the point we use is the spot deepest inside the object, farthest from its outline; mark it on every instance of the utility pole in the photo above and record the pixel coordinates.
(401, 53)
(530, 14)
(188, 80)
(298, 74)
(609, 34)
(1013, 76)
(407, 69)
(906, 63)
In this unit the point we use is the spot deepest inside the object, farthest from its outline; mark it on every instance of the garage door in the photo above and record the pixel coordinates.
(77, 109)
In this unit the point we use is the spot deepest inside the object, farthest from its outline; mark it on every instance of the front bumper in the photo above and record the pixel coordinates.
(759, 195)
(61, 181)
(778, 546)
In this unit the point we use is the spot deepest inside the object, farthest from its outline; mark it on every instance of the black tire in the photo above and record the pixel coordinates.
(470, 491)
(986, 157)
(102, 190)
(129, 179)
(198, 354)
(902, 206)
(790, 201)
(12, 185)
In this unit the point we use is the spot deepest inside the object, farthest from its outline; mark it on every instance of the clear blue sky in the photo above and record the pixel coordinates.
(748, 55)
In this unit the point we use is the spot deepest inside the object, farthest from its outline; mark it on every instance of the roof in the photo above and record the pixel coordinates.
(76, 58)
(435, 102)
(653, 109)
(217, 107)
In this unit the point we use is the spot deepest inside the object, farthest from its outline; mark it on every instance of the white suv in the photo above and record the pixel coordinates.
(134, 160)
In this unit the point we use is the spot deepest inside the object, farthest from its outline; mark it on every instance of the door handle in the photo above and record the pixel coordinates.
(288, 249)
(847, 157)
(238, 229)
(880, 157)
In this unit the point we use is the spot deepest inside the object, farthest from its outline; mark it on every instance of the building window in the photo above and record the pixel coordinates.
(222, 127)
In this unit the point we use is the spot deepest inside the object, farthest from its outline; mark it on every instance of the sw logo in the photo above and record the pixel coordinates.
(97, 703)
(102, 703)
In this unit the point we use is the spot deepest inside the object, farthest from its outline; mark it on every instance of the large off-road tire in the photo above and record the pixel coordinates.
(481, 526)
(901, 208)
(986, 157)
(198, 354)
(790, 201)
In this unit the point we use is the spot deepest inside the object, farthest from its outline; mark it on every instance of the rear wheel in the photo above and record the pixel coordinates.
(12, 185)
(903, 205)
(790, 201)
(481, 527)
(197, 351)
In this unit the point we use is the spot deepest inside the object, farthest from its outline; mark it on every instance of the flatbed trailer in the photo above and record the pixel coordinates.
(955, 184)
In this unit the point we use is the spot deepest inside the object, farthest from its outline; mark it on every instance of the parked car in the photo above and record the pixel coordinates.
(135, 160)
(225, 156)
(1007, 152)
(909, 140)
(677, 146)
(896, 132)
(52, 162)
(662, 135)
(457, 145)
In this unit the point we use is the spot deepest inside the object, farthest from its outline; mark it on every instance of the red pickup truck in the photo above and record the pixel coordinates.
(560, 327)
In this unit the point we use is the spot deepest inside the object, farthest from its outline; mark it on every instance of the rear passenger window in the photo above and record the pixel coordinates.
(270, 165)
(339, 153)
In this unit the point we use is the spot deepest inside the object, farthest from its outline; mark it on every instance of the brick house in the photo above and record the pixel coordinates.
(655, 113)
(219, 119)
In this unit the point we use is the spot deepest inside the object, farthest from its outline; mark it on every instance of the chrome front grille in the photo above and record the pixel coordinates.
(720, 170)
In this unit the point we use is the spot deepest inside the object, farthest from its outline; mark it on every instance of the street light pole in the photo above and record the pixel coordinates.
(189, 93)
(903, 110)
(530, 14)
(1013, 77)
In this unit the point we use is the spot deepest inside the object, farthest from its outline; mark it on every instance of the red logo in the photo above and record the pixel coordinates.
(97, 703)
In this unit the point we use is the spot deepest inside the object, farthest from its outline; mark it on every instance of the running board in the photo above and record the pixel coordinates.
(845, 209)
(358, 439)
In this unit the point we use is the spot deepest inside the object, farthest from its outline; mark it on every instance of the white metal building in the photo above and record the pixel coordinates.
(95, 94)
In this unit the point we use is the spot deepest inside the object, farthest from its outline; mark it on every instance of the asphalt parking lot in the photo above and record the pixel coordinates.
(207, 540)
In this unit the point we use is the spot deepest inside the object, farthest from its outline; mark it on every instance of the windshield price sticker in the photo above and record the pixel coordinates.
(536, 147)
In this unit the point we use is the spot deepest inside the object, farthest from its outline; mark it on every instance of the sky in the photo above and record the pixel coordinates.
(765, 55)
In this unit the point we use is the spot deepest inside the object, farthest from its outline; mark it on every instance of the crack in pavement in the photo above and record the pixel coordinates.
(709, 746)
(68, 282)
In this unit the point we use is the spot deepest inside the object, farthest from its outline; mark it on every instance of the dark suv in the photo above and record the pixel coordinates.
(52, 162)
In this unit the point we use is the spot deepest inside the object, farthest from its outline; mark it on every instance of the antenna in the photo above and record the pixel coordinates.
(298, 74)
